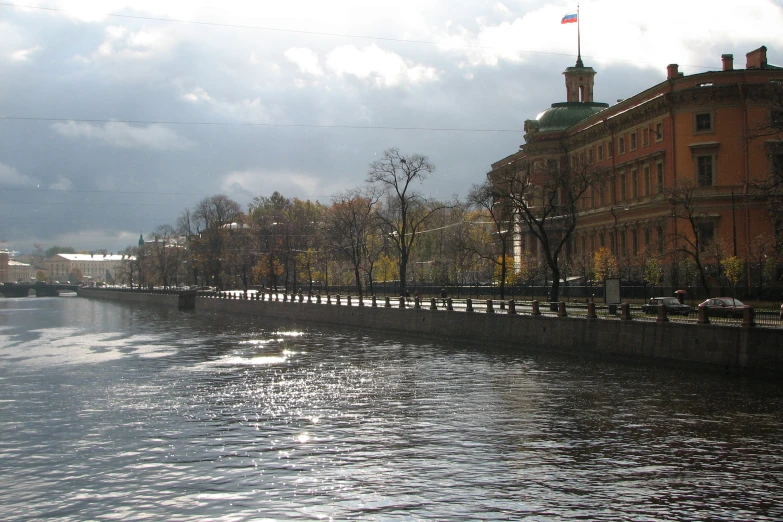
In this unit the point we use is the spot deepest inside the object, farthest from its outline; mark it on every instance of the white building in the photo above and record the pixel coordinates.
(93, 267)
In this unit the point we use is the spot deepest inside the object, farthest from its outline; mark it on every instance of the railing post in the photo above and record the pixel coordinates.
(318, 299)
(348, 300)
(309, 298)
(402, 301)
(663, 316)
(469, 305)
(387, 302)
(285, 297)
(328, 299)
(337, 302)
(416, 302)
(512, 307)
(490, 308)
(301, 298)
(703, 315)
(374, 302)
(449, 304)
(277, 297)
(561, 309)
(536, 308)
(361, 300)
(748, 316)
(591, 310)
(625, 312)
(433, 304)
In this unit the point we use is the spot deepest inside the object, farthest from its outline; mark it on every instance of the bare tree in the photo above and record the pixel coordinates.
(404, 209)
(690, 239)
(488, 199)
(350, 225)
(208, 220)
(545, 199)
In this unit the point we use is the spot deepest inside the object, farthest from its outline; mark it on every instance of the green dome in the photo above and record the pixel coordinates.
(565, 114)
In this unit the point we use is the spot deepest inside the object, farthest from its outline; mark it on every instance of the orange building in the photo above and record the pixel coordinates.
(674, 167)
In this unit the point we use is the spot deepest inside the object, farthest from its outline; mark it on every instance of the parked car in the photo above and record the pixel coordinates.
(672, 304)
(724, 307)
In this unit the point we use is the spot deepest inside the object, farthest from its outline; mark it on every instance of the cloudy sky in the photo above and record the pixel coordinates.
(117, 115)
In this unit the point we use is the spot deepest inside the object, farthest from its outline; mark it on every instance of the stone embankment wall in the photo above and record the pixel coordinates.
(755, 350)
(750, 349)
(158, 297)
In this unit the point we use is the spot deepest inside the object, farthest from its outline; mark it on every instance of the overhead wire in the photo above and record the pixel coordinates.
(329, 34)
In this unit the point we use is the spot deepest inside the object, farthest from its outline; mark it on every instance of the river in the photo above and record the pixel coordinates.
(118, 412)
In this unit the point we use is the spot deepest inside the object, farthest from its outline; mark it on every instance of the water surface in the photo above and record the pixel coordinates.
(113, 411)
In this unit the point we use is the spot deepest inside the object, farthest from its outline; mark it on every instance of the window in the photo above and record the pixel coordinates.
(621, 145)
(647, 237)
(635, 242)
(551, 166)
(658, 131)
(634, 184)
(590, 156)
(602, 194)
(623, 244)
(705, 170)
(601, 152)
(633, 140)
(777, 165)
(610, 146)
(776, 119)
(659, 175)
(645, 137)
(647, 181)
(706, 232)
(622, 195)
(613, 242)
(601, 239)
(702, 122)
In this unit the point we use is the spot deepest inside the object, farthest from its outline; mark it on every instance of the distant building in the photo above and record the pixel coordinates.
(20, 272)
(4, 259)
(93, 267)
(712, 131)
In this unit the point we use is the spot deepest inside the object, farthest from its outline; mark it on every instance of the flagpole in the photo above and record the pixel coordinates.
(578, 38)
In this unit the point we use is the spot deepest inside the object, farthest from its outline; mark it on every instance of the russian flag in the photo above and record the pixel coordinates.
(569, 19)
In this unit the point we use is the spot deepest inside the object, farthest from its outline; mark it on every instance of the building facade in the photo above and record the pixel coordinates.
(673, 169)
(92, 267)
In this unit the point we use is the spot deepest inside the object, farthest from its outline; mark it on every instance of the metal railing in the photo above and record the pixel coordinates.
(760, 318)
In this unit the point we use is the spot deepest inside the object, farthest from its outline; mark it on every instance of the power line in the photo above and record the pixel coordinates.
(322, 33)
(252, 124)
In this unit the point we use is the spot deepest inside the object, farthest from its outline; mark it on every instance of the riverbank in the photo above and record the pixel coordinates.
(750, 350)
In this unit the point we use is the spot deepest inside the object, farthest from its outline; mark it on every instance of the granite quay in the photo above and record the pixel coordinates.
(745, 345)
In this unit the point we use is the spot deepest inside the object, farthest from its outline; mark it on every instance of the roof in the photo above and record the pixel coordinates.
(566, 114)
(93, 257)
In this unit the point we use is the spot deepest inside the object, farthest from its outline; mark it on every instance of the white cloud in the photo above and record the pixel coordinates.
(198, 95)
(615, 31)
(305, 59)
(254, 182)
(63, 184)
(383, 68)
(23, 55)
(10, 176)
(122, 43)
(122, 135)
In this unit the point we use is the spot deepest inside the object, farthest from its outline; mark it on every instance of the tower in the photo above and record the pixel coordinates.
(579, 82)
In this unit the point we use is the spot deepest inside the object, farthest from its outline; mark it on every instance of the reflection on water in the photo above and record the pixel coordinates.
(113, 411)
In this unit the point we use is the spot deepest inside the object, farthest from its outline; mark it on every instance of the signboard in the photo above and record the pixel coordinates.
(612, 291)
